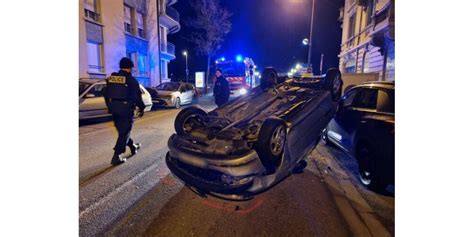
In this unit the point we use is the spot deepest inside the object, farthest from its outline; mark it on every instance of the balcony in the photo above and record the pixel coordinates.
(170, 19)
(168, 51)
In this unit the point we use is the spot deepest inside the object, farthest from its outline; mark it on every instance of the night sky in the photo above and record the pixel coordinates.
(268, 31)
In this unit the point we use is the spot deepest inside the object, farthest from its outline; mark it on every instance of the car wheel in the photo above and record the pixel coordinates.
(269, 78)
(333, 83)
(188, 119)
(271, 142)
(369, 173)
(177, 103)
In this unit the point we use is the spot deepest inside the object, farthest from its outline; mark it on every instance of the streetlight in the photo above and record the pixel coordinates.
(187, 71)
(311, 36)
(305, 41)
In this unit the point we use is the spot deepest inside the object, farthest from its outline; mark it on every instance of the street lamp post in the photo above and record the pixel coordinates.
(321, 65)
(311, 36)
(187, 71)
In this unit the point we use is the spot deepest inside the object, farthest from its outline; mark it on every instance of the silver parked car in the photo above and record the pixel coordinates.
(173, 94)
(92, 102)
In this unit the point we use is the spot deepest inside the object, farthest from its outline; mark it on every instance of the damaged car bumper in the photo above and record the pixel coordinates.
(213, 174)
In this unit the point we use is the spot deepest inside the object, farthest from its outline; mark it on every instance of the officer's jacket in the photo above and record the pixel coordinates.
(221, 89)
(122, 86)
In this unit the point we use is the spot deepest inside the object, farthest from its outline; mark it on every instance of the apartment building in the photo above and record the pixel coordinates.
(138, 29)
(368, 39)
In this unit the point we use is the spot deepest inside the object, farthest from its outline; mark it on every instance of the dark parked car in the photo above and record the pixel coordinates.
(364, 127)
(255, 141)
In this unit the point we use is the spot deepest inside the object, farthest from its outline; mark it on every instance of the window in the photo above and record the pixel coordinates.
(350, 66)
(128, 19)
(82, 87)
(386, 102)
(366, 99)
(369, 12)
(366, 62)
(349, 98)
(90, 10)
(97, 90)
(140, 25)
(142, 65)
(94, 56)
(351, 26)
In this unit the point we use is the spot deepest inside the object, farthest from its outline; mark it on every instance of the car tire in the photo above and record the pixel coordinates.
(370, 173)
(269, 78)
(333, 83)
(189, 118)
(177, 103)
(271, 143)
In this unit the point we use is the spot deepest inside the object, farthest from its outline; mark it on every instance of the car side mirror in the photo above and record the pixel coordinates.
(90, 96)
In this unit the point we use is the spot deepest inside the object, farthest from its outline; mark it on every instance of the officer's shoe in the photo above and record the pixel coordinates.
(134, 148)
(118, 160)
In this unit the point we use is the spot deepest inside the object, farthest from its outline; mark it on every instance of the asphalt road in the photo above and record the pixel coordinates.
(142, 198)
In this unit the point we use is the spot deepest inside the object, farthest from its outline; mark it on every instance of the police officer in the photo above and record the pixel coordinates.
(221, 89)
(122, 95)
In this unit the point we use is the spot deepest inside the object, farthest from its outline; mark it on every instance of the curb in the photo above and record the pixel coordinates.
(359, 216)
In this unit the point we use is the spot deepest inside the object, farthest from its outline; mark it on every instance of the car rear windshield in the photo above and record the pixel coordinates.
(83, 87)
(168, 86)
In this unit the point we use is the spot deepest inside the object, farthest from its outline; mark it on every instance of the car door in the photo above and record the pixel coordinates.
(184, 93)
(354, 107)
(94, 103)
(189, 92)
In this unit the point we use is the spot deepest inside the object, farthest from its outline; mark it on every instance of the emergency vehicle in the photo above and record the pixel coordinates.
(240, 73)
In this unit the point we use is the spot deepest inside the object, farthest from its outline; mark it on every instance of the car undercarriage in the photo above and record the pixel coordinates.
(251, 143)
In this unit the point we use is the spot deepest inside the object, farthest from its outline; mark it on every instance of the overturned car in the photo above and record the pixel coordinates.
(255, 141)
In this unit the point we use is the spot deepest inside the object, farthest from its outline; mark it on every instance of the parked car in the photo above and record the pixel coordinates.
(92, 102)
(364, 127)
(255, 141)
(173, 94)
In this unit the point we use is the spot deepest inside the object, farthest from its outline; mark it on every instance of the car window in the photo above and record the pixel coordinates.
(349, 98)
(168, 86)
(366, 98)
(97, 90)
(182, 88)
(83, 87)
(189, 87)
(386, 102)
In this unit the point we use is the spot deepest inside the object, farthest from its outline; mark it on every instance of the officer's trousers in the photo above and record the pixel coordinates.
(122, 114)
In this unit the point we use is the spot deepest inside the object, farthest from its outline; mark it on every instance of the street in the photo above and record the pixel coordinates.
(142, 198)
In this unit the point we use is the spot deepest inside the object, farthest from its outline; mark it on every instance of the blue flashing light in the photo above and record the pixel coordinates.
(222, 59)
(239, 58)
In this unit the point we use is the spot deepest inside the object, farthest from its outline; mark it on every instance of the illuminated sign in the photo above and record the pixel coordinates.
(199, 80)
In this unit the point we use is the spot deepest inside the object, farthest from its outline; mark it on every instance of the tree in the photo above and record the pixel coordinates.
(211, 24)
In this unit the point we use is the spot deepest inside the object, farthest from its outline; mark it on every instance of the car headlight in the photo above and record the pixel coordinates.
(243, 91)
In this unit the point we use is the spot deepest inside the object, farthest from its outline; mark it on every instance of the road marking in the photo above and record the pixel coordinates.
(118, 190)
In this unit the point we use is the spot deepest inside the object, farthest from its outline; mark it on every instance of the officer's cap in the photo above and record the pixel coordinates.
(126, 63)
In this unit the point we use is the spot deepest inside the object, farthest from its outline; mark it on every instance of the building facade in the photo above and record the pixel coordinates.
(138, 29)
(368, 38)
